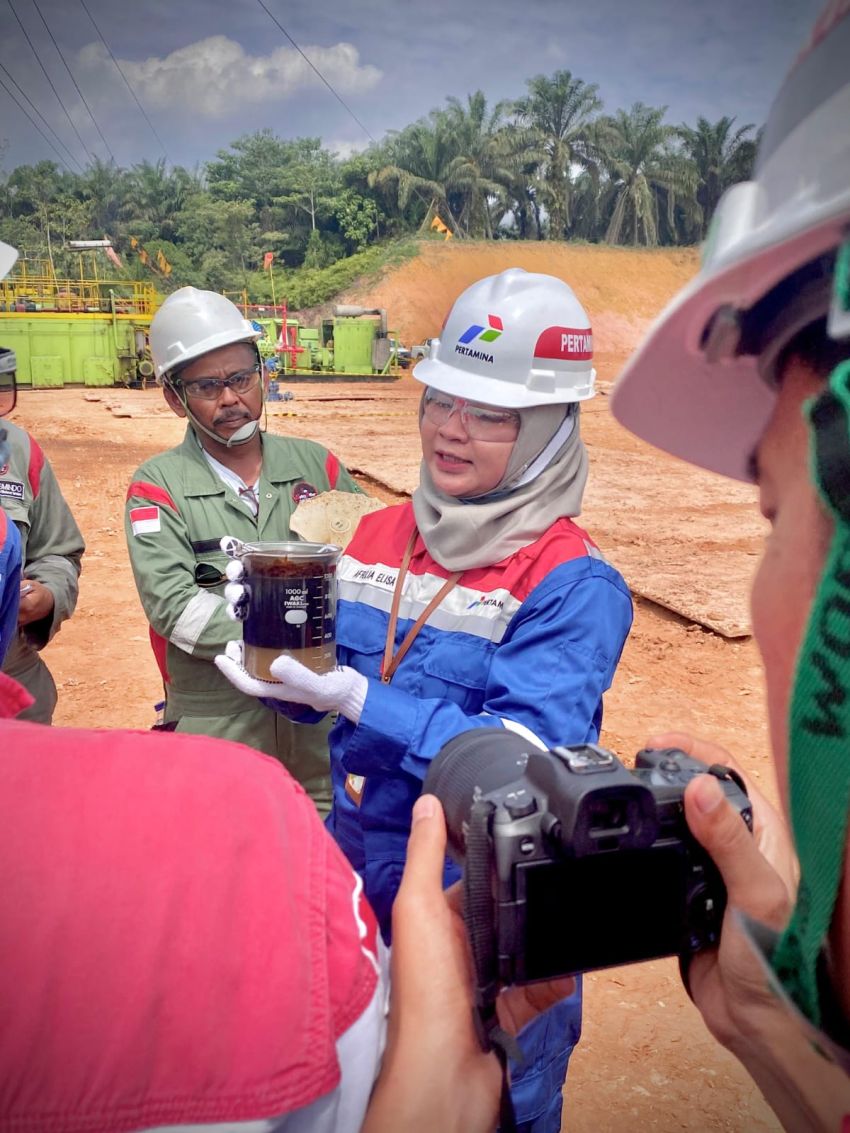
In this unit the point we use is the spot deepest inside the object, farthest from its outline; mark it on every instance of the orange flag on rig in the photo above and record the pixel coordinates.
(267, 260)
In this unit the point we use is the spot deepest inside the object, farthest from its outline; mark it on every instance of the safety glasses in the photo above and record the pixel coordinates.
(210, 389)
(482, 422)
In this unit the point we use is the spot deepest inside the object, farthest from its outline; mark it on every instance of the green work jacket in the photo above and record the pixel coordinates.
(176, 514)
(52, 547)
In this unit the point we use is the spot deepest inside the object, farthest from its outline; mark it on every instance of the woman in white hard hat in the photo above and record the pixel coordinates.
(479, 604)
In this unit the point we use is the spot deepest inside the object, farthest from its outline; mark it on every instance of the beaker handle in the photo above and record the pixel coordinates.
(234, 548)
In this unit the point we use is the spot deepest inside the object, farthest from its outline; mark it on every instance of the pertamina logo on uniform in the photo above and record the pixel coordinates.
(487, 600)
(479, 333)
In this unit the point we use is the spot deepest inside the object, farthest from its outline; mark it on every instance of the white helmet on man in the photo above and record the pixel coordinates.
(515, 339)
(192, 322)
(700, 386)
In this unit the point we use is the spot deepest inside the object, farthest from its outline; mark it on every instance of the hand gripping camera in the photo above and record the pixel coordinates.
(585, 864)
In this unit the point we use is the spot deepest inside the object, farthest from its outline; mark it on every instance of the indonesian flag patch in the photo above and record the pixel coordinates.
(144, 520)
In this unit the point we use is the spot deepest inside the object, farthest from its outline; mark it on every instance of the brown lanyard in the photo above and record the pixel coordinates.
(391, 663)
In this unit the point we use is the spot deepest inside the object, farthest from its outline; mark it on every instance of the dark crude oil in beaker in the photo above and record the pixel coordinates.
(291, 605)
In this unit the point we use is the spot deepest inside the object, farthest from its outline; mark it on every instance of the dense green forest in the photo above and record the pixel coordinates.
(551, 165)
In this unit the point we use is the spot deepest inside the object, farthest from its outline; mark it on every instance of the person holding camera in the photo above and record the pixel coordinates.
(747, 374)
(481, 603)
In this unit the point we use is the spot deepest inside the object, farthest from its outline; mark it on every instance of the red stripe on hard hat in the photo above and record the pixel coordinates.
(570, 343)
(834, 12)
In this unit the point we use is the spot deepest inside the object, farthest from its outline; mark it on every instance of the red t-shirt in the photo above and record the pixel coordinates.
(180, 940)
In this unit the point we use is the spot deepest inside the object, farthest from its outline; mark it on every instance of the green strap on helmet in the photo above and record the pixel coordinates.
(819, 751)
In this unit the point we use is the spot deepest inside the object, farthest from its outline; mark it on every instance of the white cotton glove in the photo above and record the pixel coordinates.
(234, 591)
(341, 690)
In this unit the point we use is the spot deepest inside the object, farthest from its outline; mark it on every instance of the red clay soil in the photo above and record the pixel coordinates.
(621, 288)
(645, 1061)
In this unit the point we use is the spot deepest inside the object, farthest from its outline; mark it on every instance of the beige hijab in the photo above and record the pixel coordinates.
(544, 480)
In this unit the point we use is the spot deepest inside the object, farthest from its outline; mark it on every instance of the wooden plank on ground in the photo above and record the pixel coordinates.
(715, 595)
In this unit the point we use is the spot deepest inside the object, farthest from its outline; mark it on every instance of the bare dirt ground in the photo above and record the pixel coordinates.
(645, 1061)
(620, 288)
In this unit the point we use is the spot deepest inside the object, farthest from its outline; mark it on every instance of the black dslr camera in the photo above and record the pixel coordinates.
(590, 865)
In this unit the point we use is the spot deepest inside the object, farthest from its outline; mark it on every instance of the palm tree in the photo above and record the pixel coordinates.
(29, 188)
(554, 128)
(156, 195)
(103, 187)
(720, 157)
(480, 173)
(642, 172)
(419, 166)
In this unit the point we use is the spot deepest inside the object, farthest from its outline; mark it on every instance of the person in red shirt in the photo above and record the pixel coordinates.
(181, 941)
(183, 944)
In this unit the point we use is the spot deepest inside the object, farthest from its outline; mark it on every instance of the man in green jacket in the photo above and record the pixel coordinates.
(227, 477)
(52, 548)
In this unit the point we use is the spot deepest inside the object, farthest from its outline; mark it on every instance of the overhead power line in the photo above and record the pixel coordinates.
(124, 77)
(35, 109)
(50, 81)
(313, 67)
(74, 81)
(25, 112)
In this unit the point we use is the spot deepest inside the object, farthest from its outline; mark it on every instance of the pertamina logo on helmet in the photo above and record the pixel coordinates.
(571, 344)
(482, 334)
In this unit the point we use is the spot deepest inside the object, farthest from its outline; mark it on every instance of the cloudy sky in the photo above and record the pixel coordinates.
(207, 71)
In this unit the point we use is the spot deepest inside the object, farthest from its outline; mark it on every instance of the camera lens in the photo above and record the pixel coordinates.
(473, 764)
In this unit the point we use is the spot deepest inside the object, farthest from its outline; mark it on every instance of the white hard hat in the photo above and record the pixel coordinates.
(190, 323)
(8, 255)
(515, 339)
(699, 387)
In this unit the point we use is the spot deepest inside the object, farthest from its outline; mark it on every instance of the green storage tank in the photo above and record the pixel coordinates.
(73, 349)
(353, 340)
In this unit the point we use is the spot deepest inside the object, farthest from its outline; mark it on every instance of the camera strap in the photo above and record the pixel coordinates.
(818, 768)
(478, 913)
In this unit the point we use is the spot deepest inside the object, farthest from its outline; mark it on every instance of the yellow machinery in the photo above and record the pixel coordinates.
(81, 330)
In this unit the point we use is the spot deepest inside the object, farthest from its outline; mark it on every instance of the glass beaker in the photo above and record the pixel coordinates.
(291, 605)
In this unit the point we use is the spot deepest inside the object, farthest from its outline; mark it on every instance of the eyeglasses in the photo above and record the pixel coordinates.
(482, 422)
(210, 389)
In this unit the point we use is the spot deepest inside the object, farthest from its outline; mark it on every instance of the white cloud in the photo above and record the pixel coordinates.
(345, 149)
(216, 76)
